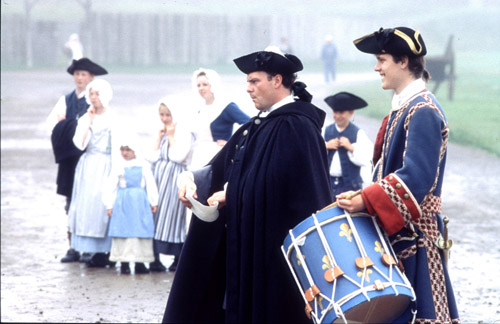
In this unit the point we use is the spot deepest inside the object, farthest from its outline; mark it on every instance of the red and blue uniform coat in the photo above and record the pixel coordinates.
(406, 200)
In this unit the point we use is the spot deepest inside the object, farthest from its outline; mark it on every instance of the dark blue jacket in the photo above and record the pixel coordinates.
(222, 126)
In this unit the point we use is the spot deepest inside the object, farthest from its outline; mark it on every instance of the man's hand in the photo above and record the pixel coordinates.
(185, 184)
(220, 197)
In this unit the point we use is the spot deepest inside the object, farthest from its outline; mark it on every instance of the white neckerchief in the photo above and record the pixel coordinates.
(408, 93)
(279, 104)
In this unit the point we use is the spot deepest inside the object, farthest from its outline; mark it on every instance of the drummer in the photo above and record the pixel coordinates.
(410, 157)
(275, 168)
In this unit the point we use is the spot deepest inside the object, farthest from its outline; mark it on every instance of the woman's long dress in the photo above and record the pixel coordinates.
(170, 217)
(87, 215)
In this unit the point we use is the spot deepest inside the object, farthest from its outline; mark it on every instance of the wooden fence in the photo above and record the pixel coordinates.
(152, 39)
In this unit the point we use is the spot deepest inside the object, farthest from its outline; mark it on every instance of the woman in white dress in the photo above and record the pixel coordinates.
(174, 148)
(215, 118)
(88, 219)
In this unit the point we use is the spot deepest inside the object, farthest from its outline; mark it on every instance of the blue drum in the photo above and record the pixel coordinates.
(345, 269)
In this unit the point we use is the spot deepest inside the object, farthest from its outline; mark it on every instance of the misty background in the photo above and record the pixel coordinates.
(150, 33)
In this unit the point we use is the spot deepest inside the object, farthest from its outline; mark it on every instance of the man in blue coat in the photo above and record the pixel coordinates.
(410, 157)
(62, 122)
(271, 175)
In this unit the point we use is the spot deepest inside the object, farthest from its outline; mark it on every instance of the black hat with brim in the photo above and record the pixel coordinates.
(344, 101)
(270, 62)
(85, 64)
(395, 41)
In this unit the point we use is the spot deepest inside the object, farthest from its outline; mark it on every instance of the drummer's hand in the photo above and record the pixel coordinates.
(352, 205)
(219, 196)
(185, 184)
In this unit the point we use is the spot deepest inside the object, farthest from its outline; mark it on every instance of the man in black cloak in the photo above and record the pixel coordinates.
(271, 175)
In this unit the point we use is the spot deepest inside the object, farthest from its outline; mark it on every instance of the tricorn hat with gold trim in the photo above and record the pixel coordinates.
(395, 41)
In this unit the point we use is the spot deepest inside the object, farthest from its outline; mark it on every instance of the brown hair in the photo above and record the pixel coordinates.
(416, 65)
(287, 79)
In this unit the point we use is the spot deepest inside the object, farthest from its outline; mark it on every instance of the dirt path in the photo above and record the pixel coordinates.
(36, 287)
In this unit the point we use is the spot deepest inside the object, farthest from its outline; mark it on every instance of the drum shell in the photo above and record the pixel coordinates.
(341, 239)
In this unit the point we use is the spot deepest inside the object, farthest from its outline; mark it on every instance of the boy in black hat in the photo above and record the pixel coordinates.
(275, 171)
(410, 157)
(62, 122)
(349, 149)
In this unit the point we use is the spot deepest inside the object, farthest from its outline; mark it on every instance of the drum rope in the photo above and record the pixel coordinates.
(301, 258)
(293, 273)
(333, 263)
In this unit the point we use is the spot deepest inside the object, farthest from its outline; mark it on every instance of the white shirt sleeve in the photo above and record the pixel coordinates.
(81, 129)
(58, 112)
(363, 150)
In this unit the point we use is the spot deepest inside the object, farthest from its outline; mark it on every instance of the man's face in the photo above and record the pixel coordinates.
(262, 90)
(390, 71)
(82, 78)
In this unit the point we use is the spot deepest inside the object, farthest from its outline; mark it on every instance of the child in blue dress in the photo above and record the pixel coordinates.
(131, 198)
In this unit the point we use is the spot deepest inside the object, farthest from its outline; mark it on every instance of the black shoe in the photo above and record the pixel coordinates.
(173, 266)
(71, 256)
(140, 268)
(85, 257)
(124, 268)
(157, 266)
(98, 260)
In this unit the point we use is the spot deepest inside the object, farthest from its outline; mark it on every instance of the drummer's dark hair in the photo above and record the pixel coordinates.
(416, 64)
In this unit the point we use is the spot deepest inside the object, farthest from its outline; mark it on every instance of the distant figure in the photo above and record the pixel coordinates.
(62, 123)
(75, 46)
(174, 147)
(349, 148)
(329, 57)
(131, 198)
(284, 46)
(88, 218)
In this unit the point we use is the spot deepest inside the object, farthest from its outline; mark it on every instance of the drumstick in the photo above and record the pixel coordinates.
(354, 194)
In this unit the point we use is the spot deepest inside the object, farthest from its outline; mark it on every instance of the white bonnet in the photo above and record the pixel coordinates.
(212, 76)
(103, 87)
(175, 106)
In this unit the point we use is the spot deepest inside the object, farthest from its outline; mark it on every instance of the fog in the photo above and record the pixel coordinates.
(149, 32)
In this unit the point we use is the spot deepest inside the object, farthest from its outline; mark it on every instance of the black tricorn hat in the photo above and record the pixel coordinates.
(395, 41)
(269, 60)
(343, 101)
(86, 64)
